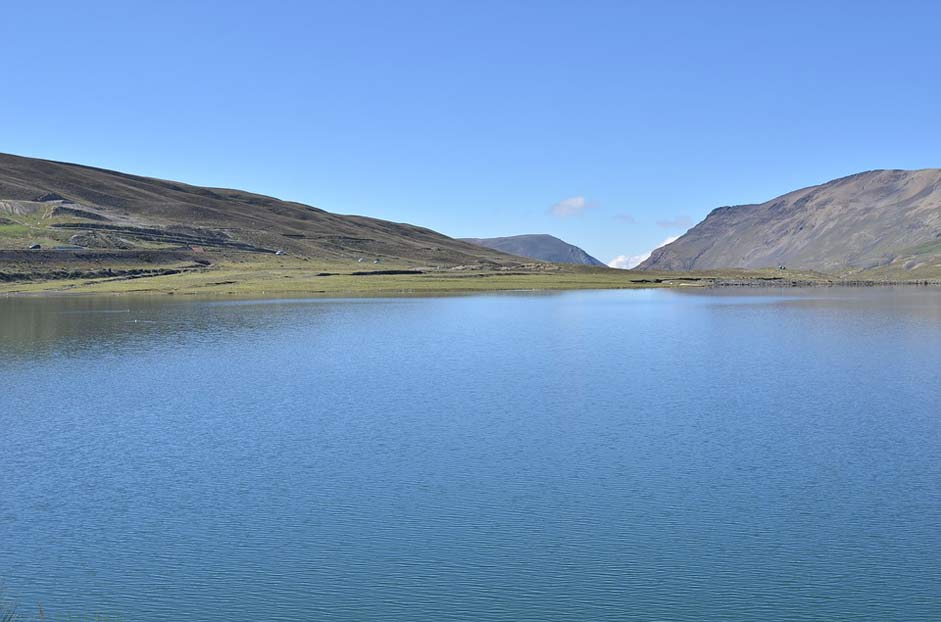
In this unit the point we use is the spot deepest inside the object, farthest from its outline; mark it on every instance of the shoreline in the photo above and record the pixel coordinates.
(296, 279)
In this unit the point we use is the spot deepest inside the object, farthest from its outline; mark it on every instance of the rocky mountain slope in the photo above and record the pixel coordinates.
(69, 206)
(877, 220)
(538, 246)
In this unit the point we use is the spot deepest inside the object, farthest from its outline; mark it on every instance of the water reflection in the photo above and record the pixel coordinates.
(681, 455)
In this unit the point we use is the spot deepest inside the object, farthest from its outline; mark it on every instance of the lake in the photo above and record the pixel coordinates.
(612, 455)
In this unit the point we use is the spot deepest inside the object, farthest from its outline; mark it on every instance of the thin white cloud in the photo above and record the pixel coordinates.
(626, 262)
(680, 222)
(572, 206)
(626, 218)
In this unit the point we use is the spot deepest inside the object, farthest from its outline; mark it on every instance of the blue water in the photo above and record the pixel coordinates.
(629, 455)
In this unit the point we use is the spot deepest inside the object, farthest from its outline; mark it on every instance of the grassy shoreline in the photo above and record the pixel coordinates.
(273, 277)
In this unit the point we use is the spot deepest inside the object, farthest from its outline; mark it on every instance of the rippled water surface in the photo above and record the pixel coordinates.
(633, 455)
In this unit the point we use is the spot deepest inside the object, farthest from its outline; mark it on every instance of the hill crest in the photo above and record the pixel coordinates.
(50, 202)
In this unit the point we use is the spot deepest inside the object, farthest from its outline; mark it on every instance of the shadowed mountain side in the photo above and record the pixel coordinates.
(876, 219)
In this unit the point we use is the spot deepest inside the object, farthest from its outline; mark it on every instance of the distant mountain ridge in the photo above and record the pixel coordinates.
(881, 219)
(538, 246)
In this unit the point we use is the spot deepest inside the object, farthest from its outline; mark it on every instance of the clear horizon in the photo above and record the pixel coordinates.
(613, 126)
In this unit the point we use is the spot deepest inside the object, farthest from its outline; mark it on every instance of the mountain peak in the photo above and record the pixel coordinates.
(540, 246)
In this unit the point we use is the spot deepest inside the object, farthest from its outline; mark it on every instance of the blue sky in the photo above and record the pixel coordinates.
(613, 125)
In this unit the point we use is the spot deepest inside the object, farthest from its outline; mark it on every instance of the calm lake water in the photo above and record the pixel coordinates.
(620, 455)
